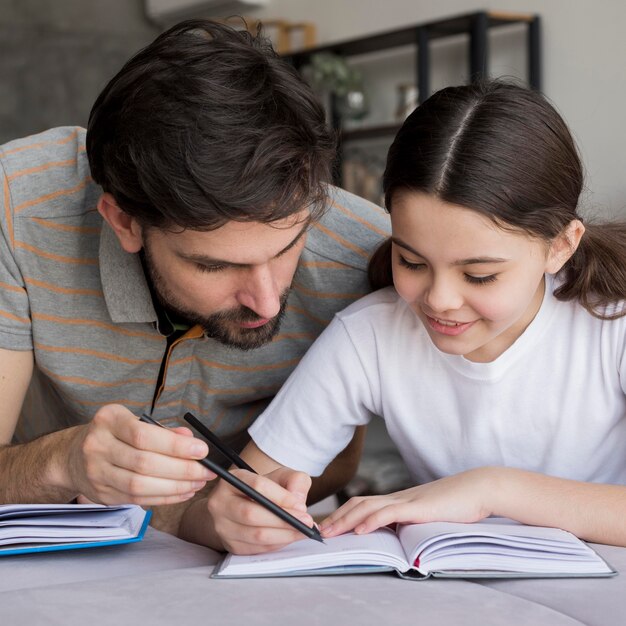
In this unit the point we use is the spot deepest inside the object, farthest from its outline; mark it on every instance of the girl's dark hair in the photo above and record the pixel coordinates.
(206, 125)
(504, 151)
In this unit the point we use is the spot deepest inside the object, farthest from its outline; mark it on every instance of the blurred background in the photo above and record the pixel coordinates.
(55, 57)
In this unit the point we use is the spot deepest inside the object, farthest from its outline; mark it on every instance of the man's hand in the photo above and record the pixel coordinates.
(118, 459)
(245, 527)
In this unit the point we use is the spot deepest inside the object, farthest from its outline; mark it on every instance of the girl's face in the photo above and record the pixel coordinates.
(474, 286)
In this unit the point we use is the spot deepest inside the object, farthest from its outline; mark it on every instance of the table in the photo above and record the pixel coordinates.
(164, 580)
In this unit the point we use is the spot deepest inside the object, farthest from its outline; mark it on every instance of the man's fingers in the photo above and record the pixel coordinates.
(182, 430)
(120, 454)
(136, 486)
(125, 426)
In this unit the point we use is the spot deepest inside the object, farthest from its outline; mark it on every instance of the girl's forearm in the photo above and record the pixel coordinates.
(594, 512)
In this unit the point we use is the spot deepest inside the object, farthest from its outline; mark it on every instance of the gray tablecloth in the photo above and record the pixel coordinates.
(163, 580)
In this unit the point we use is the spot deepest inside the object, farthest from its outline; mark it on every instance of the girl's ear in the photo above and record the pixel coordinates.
(564, 245)
(125, 227)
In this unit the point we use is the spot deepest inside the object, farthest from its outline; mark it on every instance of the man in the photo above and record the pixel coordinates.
(181, 261)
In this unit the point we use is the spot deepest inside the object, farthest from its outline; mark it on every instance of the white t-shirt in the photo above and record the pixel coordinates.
(554, 402)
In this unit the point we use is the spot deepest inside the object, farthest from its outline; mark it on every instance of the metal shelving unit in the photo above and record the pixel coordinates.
(476, 25)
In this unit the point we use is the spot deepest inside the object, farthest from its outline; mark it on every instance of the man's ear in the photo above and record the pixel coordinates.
(564, 245)
(125, 227)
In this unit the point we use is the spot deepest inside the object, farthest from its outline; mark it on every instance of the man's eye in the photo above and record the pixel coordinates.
(409, 265)
(209, 268)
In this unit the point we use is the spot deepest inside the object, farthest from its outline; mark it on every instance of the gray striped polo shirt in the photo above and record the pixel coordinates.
(70, 293)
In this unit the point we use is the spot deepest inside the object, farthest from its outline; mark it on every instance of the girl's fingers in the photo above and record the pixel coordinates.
(249, 514)
(385, 516)
(348, 517)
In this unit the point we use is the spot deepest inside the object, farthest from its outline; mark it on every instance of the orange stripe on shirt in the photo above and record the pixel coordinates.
(54, 194)
(88, 382)
(7, 210)
(197, 382)
(235, 368)
(41, 168)
(122, 401)
(360, 220)
(190, 406)
(87, 230)
(308, 315)
(253, 411)
(112, 327)
(333, 265)
(344, 242)
(22, 320)
(67, 290)
(101, 355)
(55, 257)
(197, 409)
(31, 146)
(12, 287)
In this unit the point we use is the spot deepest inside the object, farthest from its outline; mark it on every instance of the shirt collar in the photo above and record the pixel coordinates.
(124, 283)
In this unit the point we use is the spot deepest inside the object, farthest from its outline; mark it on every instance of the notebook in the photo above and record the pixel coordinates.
(493, 548)
(26, 528)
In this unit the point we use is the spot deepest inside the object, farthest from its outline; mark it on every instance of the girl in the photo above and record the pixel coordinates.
(497, 359)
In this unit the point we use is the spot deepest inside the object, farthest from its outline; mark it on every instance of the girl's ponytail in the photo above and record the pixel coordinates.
(596, 273)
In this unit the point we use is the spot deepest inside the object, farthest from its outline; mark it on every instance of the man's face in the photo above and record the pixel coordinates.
(233, 281)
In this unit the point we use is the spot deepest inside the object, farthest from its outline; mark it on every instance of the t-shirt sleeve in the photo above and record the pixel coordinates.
(314, 415)
(15, 324)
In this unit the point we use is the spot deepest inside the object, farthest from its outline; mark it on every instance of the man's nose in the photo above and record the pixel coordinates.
(260, 292)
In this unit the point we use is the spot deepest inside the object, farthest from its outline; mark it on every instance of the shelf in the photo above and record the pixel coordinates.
(476, 25)
(407, 36)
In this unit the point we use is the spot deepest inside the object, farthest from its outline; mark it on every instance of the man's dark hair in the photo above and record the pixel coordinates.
(206, 125)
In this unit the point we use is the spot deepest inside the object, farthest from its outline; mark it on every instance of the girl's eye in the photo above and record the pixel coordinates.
(409, 265)
(480, 280)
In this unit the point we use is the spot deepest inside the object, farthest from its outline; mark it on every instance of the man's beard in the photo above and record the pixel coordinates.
(223, 326)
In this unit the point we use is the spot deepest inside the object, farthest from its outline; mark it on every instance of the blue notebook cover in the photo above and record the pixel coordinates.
(42, 546)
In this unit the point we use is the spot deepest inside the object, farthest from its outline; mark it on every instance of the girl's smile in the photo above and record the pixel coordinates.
(448, 327)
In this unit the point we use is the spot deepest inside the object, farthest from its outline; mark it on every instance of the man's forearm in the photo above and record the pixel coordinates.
(36, 471)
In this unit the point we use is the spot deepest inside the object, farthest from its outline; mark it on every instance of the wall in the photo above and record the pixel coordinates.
(55, 57)
(584, 73)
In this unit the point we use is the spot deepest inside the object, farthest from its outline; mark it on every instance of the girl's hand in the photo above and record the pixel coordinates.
(245, 527)
(460, 498)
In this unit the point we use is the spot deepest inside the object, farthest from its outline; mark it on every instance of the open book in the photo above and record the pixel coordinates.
(493, 548)
(28, 528)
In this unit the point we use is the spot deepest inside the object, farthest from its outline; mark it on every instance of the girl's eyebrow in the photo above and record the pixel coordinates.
(470, 261)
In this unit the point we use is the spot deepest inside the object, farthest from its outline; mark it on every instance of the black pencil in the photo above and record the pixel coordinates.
(311, 533)
(228, 452)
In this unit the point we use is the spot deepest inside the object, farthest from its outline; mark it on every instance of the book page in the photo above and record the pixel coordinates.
(54, 524)
(497, 545)
(378, 548)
